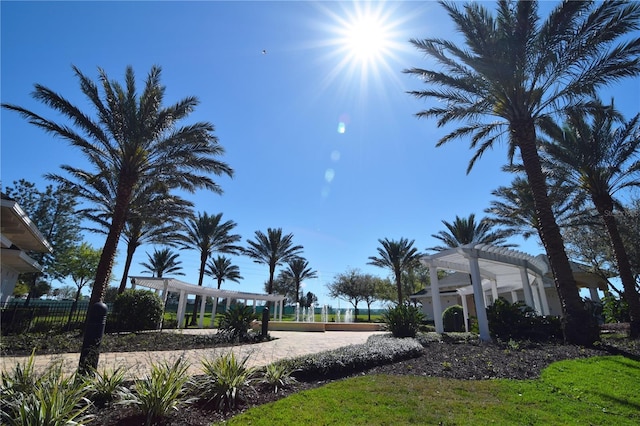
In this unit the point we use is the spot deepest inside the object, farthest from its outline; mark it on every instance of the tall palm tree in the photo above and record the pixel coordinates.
(272, 249)
(162, 262)
(222, 269)
(297, 271)
(209, 234)
(602, 160)
(398, 256)
(131, 139)
(516, 71)
(463, 231)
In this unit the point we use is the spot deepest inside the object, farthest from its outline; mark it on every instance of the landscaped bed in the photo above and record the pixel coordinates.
(451, 357)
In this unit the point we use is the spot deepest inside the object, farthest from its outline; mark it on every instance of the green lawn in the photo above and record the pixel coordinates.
(593, 391)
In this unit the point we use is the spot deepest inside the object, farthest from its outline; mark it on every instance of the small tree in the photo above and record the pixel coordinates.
(350, 286)
(80, 264)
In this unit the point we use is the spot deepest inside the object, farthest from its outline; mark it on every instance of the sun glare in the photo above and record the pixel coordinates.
(365, 40)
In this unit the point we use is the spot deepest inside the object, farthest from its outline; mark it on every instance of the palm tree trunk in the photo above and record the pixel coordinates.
(399, 285)
(578, 325)
(131, 248)
(203, 261)
(604, 205)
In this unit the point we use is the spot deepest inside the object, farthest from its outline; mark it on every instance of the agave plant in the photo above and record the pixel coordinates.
(107, 385)
(225, 381)
(277, 376)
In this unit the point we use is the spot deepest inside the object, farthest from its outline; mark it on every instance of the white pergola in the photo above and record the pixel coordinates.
(163, 286)
(492, 269)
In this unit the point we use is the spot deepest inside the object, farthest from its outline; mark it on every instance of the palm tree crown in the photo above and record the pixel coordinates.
(398, 256)
(272, 249)
(162, 262)
(297, 271)
(515, 72)
(131, 139)
(222, 269)
(463, 231)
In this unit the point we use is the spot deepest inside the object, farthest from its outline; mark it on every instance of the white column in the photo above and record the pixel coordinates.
(182, 301)
(514, 296)
(226, 309)
(478, 297)
(281, 308)
(528, 296)
(203, 307)
(465, 312)
(435, 299)
(163, 296)
(543, 296)
(494, 290)
(535, 290)
(253, 304)
(593, 293)
(213, 312)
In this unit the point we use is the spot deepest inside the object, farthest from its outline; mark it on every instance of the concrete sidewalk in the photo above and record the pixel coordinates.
(287, 344)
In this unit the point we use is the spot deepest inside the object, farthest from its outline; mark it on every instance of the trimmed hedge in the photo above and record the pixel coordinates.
(378, 350)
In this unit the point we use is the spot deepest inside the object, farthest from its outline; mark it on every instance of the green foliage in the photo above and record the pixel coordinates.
(518, 321)
(453, 318)
(46, 399)
(162, 391)
(615, 309)
(225, 381)
(236, 321)
(136, 310)
(105, 386)
(277, 376)
(378, 350)
(403, 320)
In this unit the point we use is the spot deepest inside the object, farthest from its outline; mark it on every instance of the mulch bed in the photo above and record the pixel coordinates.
(469, 361)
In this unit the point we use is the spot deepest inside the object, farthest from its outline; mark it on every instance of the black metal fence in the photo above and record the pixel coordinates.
(42, 315)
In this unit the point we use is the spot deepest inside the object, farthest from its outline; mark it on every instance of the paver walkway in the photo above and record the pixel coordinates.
(287, 344)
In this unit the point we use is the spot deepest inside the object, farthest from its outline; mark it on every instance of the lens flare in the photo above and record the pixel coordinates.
(329, 174)
(335, 156)
(342, 127)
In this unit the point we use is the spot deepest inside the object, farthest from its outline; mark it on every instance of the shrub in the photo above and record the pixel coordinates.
(453, 318)
(403, 320)
(615, 310)
(378, 350)
(518, 321)
(237, 322)
(163, 390)
(136, 310)
(225, 381)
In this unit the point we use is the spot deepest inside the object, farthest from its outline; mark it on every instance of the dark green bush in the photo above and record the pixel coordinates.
(517, 321)
(403, 320)
(136, 310)
(378, 350)
(237, 322)
(453, 318)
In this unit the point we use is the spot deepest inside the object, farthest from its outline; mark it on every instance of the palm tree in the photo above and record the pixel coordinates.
(463, 231)
(398, 256)
(516, 71)
(209, 234)
(513, 207)
(297, 271)
(222, 269)
(162, 262)
(131, 139)
(272, 249)
(155, 215)
(601, 161)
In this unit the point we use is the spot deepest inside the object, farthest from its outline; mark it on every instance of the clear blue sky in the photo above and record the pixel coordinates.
(337, 187)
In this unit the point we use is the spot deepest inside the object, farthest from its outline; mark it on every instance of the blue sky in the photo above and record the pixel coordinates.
(337, 187)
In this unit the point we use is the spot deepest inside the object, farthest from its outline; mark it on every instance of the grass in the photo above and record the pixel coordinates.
(595, 391)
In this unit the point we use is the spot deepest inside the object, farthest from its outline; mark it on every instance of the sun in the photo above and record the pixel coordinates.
(365, 39)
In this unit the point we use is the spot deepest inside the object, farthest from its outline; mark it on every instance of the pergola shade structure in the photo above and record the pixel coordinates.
(488, 272)
(163, 286)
